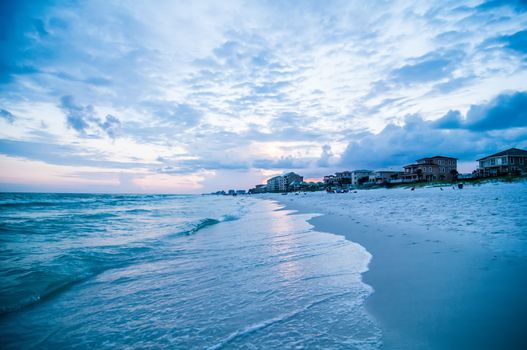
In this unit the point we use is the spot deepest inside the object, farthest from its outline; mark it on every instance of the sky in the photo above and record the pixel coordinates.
(198, 96)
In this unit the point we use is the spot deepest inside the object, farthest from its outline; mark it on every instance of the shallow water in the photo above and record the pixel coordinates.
(177, 272)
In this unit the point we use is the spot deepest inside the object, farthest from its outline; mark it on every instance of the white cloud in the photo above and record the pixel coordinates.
(200, 84)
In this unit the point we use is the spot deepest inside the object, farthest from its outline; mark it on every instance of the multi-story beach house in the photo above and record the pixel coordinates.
(357, 176)
(385, 176)
(276, 184)
(258, 189)
(330, 180)
(291, 177)
(511, 161)
(343, 177)
(438, 168)
(346, 178)
(282, 183)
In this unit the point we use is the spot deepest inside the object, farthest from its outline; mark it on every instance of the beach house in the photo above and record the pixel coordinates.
(511, 161)
(343, 177)
(385, 176)
(281, 183)
(438, 168)
(330, 180)
(258, 189)
(291, 177)
(359, 176)
(276, 184)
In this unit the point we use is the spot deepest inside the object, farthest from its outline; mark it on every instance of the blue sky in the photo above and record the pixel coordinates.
(193, 96)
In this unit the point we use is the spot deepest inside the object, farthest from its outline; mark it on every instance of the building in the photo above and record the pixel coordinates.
(291, 177)
(358, 176)
(231, 192)
(330, 180)
(282, 183)
(343, 178)
(385, 176)
(276, 184)
(258, 189)
(240, 192)
(438, 168)
(511, 161)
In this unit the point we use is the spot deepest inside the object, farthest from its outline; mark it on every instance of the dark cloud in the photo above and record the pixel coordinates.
(398, 145)
(451, 120)
(503, 112)
(111, 125)
(516, 41)
(18, 27)
(77, 117)
(517, 5)
(501, 123)
(8, 116)
(84, 120)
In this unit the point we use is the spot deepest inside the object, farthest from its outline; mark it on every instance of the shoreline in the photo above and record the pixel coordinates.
(433, 289)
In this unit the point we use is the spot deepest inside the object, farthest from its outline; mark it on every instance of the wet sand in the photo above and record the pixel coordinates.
(435, 289)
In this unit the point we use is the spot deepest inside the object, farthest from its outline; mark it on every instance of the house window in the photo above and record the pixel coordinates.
(442, 169)
(512, 160)
(493, 161)
(430, 169)
(503, 160)
(521, 160)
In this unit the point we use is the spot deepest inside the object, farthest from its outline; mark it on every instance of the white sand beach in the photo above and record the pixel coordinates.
(449, 266)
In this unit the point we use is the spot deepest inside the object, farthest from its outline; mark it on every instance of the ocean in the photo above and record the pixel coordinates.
(174, 271)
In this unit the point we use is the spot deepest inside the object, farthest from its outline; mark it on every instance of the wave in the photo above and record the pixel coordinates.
(204, 223)
(91, 263)
(45, 293)
(272, 321)
(28, 204)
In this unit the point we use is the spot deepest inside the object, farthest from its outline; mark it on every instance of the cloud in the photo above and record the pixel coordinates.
(430, 67)
(516, 41)
(517, 5)
(176, 114)
(62, 154)
(451, 120)
(77, 117)
(8, 116)
(397, 145)
(111, 125)
(84, 120)
(325, 157)
(503, 112)
(486, 128)
(259, 84)
(288, 162)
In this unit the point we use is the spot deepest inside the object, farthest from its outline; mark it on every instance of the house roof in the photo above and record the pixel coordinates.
(435, 157)
(388, 171)
(509, 152)
(291, 173)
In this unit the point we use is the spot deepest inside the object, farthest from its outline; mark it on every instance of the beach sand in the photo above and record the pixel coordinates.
(435, 287)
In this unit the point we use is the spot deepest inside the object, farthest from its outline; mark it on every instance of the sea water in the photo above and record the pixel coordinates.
(168, 271)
